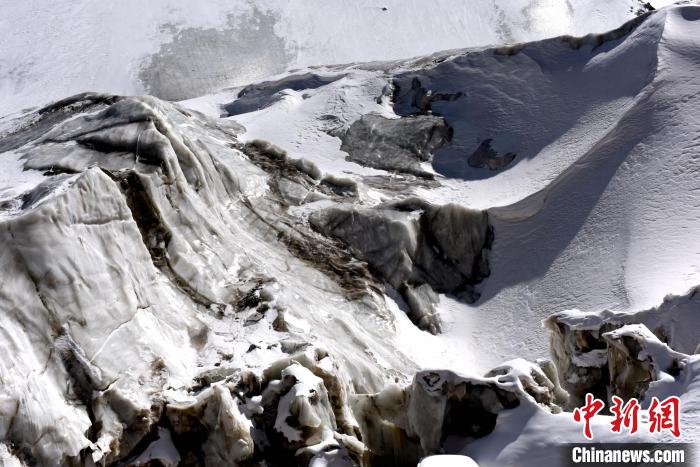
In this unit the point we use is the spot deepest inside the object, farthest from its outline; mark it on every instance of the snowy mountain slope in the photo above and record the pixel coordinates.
(156, 273)
(603, 132)
(616, 229)
(178, 49)
(136, 274)
(179, 289)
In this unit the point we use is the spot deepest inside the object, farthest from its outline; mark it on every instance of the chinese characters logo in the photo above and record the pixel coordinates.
(663, 415)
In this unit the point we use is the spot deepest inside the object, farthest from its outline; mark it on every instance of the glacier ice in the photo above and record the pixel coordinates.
(247, 277)
(127, 276)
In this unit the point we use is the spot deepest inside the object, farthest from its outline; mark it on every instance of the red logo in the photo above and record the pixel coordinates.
(663, 415)
(625, 415)
(588, 411)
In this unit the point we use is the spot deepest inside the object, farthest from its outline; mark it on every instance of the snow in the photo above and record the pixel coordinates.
(674, 318)
(614, 230)
(303, 133)
(518, 437)
(175, 48)
(14, 180)
(594, 218)
(126, 317)
(306, 385)
(528, 437)
(162, 450)
(598, 216)
(447, 460)
(569, 232)
(7, 458)
(562, 237)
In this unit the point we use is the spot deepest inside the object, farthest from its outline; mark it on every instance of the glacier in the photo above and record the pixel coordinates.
(395, 261)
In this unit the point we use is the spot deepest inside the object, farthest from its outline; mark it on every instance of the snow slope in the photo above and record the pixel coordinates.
(615, 230)
(597, 209)
(176, 287)
(179, 49)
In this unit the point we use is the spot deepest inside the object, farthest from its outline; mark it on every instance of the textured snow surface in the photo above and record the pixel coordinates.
(248, 276)
(596, 211)
(177, 49)
(447, 460)
(183, 295)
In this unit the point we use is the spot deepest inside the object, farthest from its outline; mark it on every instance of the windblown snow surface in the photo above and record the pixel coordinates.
(177, 49)
(426, 260)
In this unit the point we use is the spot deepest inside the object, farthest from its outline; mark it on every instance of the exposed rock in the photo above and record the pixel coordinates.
(295, 412)
(401, 426)
(304, 412)
(420, 98)
(398, 183)
(211, 429)
(486, 156)
(582, 348)
(145, 172)
(533, 380)
(399, 145)
(296, 180)
(561, 397)
(580, 357)
(421, 303)
(340, 186)
(644, 7)
(308, 167)
(412, 243)
(164, 300)
(294, 193)
(636, 358)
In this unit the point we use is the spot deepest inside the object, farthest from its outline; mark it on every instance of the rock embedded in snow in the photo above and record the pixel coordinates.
(211, 426)
(413, 244)
(399, 145)
(403, 425)
(422, 301)
(636, 358)
(304, 412)
(581, 343)
(261, 95)
(582, 150)
(486, 156)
